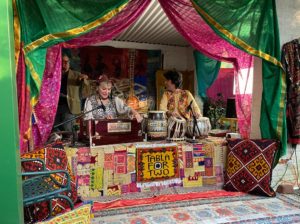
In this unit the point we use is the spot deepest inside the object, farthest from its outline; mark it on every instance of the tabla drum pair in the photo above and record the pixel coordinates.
(202, 127)
(176, 129)
(157, 125)
(159, 128)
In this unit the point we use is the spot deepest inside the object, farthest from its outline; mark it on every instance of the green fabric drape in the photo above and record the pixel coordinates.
(207, 70)
(252, 26)
(46, 23)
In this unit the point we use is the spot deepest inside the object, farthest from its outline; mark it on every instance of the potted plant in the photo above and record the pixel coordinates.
(215, 109)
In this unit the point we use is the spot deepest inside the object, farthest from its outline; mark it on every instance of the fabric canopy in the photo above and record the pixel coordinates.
(114, 16)
(255, 31)
(196, 31)
(44, 24)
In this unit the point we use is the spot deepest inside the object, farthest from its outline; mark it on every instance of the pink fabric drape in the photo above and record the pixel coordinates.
(113, 27)
(194, 29)
(45, 110)
(223, 84)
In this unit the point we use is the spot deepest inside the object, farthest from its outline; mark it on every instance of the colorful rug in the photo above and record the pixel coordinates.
(105, 173)
(163, 198)
(230, 209)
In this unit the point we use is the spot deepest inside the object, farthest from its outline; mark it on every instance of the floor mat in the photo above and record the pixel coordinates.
(230, 209)
(121, 203)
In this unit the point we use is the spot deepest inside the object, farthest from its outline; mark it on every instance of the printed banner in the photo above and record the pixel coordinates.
(159, 163)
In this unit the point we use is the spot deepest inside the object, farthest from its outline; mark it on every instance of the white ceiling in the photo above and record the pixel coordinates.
(153, 27)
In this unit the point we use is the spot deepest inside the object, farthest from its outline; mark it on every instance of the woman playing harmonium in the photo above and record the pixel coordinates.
(108, 107)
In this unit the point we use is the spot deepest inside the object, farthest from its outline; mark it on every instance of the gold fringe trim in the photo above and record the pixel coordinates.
(17, 35)
(235, 39)
(36, 78)
(281, 105)
(74, 31)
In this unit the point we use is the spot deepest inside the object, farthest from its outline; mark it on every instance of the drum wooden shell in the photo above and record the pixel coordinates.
(157, 125)
(203, 124)
(176, 129)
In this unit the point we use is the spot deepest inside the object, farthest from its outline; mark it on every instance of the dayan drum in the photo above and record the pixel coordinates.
(176, 128)
(203, 124)
(157, 125)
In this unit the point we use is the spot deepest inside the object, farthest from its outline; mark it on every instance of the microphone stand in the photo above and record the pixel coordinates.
(74, 118)
(195, 125)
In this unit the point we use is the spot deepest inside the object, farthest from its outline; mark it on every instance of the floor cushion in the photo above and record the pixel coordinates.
(249, 166)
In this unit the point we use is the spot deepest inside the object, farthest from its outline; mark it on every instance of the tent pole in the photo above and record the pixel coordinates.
(11, 192)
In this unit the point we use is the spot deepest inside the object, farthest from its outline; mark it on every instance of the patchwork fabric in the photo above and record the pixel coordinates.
(198, 158)
(114, 190)
(96, 178)
(195, 181)
(158, 163)
(83, 180)
(120, 162)
(188, 159)
(55, 158)
(109, 161)
(100, 169)
(130, 163)
(83, 156)
(180, 156)
(249, 166)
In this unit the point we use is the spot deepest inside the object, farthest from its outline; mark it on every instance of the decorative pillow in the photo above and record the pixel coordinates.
(81, 215)
(55, 158)
(249, 166)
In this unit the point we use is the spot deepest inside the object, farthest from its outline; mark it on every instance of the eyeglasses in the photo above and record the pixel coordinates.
(65, 61)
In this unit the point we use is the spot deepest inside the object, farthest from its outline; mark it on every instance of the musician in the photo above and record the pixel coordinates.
(109, 107)
(175, 101)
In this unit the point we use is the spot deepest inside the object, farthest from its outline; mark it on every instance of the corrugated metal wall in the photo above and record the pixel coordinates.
(153, 27)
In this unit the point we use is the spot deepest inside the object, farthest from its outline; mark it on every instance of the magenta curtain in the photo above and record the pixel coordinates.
(113, 27)
(223, 84)
(45, 110)
(191, 26)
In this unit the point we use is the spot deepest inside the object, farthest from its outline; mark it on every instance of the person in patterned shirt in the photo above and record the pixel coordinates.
(175, 101)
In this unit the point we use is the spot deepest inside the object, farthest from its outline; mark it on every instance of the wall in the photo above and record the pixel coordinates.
(256, 99)
(288, 13)
(180, 58)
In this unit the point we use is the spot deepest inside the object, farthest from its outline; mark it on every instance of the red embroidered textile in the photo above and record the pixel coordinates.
(55, 158)
(249, 166)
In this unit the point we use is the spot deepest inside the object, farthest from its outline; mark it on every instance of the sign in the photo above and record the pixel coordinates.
(159, 163)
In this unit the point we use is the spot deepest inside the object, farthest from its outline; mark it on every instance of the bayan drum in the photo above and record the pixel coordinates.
(157, 125)
(204, 127)
(176, 128)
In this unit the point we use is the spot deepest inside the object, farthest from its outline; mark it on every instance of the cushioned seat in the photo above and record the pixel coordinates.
(41, 185)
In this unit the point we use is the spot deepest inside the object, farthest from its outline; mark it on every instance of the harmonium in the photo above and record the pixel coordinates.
(110, 131)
